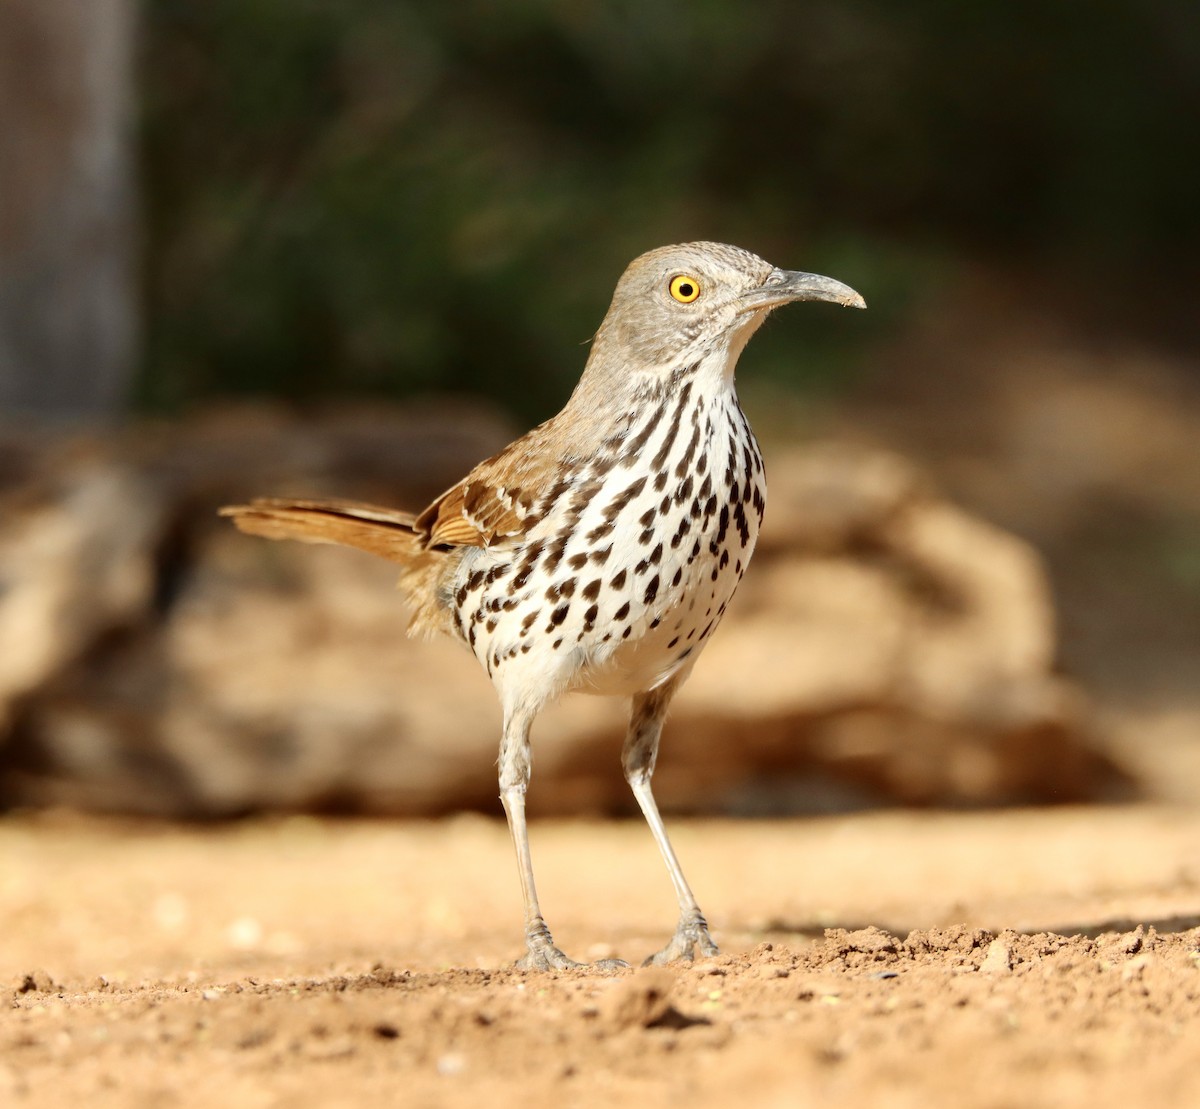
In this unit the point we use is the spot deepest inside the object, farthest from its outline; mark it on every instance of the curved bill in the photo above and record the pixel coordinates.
(785, 286)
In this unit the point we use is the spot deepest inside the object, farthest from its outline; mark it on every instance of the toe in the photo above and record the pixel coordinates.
(691, 936)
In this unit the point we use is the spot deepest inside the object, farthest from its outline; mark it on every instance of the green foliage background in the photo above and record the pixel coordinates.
(383, 197)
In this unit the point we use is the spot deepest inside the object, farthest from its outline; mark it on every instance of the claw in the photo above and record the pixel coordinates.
(545, 957)
(691, 936)
(542, 954)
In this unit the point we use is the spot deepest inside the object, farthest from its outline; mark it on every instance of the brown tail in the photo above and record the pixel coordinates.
(379, 531)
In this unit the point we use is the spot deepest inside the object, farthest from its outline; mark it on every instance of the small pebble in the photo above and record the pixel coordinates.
(998, 959)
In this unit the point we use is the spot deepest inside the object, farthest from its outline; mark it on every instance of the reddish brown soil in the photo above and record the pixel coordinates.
(1014, 959)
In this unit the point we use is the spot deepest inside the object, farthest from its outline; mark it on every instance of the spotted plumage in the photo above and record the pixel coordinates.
(599, 551)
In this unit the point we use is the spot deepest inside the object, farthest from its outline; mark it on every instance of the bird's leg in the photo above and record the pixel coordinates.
(637, 759)
(540, 951)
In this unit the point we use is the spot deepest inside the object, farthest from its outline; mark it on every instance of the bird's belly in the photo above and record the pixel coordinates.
(675, 585)
(659, 638)
(620, 593)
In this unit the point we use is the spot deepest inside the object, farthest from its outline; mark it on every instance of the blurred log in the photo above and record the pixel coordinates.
(885, 647)
(67, 304)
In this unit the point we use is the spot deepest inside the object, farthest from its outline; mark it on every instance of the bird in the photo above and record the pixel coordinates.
(598, 552)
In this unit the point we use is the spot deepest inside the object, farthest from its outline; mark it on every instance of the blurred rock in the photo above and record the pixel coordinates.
(885, 647)
(76, 553)
(1085, 443)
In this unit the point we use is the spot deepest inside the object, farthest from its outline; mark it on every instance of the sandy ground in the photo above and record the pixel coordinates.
(1044, 958)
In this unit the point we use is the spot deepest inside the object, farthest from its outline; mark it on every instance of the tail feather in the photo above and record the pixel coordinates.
(385, 532)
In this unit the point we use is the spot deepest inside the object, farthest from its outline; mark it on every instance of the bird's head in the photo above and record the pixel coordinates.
(687, 303)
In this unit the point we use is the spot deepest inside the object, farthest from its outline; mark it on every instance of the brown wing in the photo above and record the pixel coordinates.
(498, 500)
(495, 503)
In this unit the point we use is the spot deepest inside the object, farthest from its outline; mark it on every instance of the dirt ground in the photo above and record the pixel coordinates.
(1047, 958)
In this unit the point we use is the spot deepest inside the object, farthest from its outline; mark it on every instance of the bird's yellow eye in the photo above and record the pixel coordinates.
(684, 288)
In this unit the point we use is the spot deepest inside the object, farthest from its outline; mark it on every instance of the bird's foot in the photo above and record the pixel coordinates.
(690, 937)
(545, 957)
(542, 954)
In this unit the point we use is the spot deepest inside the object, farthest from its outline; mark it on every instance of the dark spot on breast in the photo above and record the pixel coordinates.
(605, 462)
(643, 436)
(577, 561)
(618, 581)
(622, 499)
(622, 612)
(723, 523)
(759, 504)
(678, 576)
(659, 461)
(589, 617)
(651, 589)
(743, 526)
(672, 643)
(685, 462)
(558, 616)
(600, 557)
(724, 560)
(591, 591)
(554, 553)
(647, 517)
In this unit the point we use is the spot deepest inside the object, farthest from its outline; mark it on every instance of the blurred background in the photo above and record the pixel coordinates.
(305, 246)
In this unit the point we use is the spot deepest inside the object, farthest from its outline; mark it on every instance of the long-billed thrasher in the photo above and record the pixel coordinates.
(598, 552)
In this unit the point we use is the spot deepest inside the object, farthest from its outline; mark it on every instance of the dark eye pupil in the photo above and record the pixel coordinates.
(685, 290)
